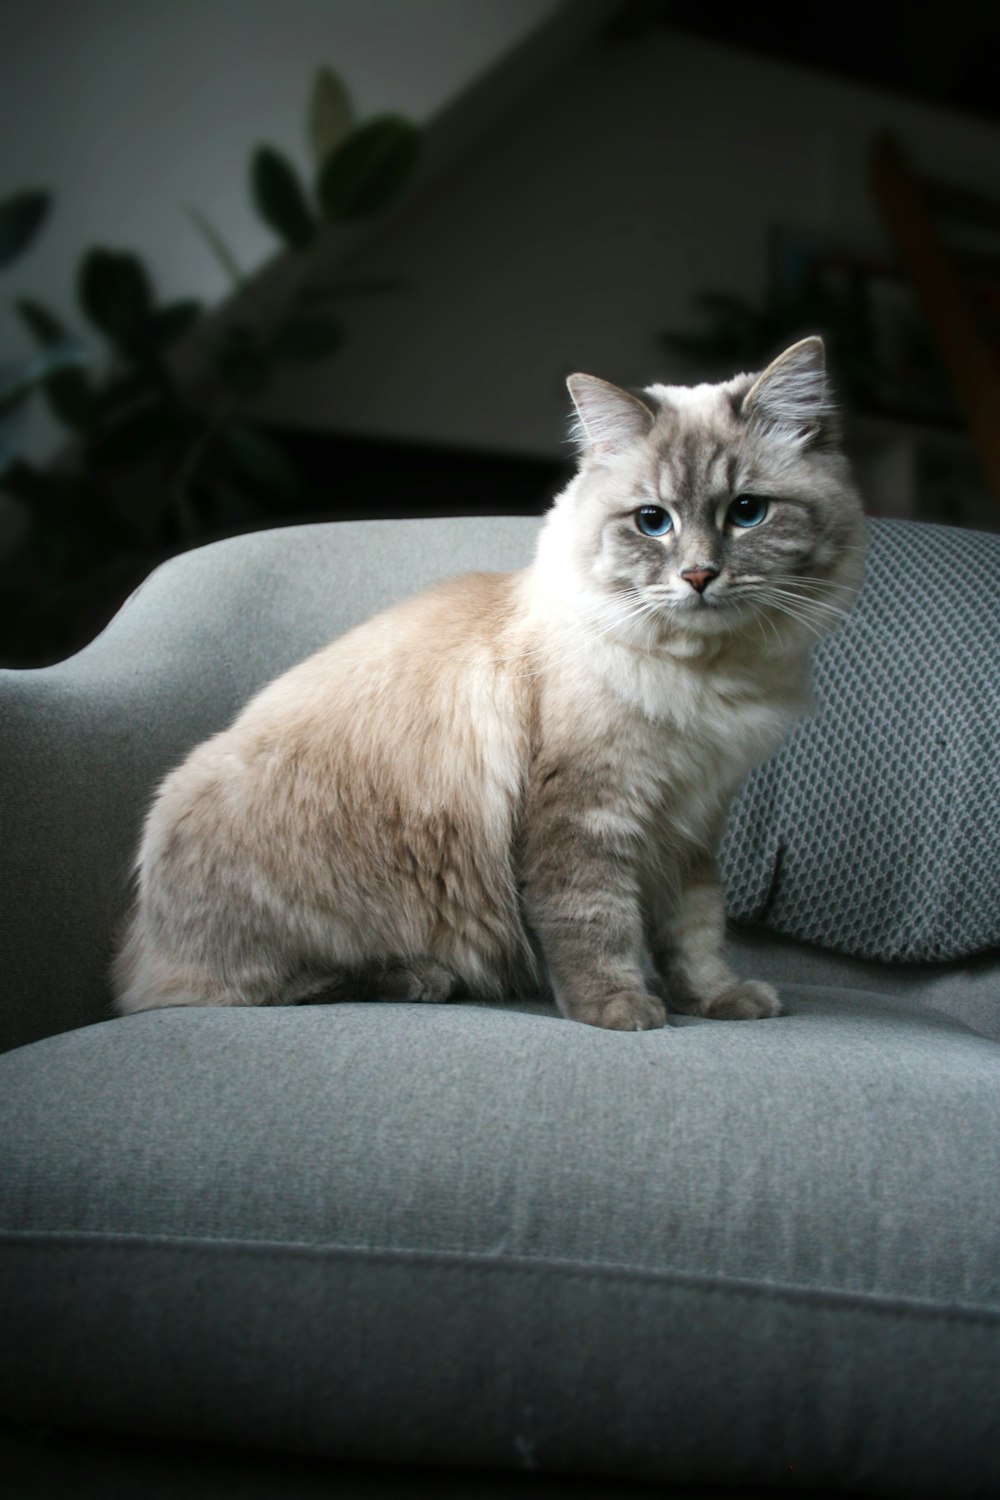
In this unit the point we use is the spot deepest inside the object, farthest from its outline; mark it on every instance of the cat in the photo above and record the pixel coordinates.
(521, 779)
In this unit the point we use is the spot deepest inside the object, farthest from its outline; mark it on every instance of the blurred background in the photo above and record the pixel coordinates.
(290, 260)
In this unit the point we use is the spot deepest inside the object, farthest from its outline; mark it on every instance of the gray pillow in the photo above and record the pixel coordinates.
(875, 830)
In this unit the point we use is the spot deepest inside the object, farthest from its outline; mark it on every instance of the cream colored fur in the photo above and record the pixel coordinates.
(511, 779)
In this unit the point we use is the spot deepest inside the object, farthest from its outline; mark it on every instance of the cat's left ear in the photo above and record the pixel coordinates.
(792, 396)
(609, 419)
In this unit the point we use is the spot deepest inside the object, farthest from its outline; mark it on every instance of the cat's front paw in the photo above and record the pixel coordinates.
(749, 1000)
(624, 1010)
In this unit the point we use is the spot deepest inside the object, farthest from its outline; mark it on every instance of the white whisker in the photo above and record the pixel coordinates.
(816, 628)
(822, 606)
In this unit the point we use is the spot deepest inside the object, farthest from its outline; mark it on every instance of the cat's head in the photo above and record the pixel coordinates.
(702, 509)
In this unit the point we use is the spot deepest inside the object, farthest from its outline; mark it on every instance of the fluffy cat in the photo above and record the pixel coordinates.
(523, 778)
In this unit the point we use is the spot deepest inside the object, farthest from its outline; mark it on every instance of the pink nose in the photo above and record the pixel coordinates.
(699, 578)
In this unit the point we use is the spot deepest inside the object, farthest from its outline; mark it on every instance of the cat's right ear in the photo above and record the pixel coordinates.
(609, 419)
(792, 397)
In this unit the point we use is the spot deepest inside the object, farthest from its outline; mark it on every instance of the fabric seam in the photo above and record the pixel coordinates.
(873, 1303)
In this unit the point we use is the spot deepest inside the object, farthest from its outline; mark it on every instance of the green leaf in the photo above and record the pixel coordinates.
(34, 372)
(241, 358)
(68, 390)
(370, 171)
(21, 218)
(44, 324)
(12, 418)
(115, 293)
(72, 399)
(280, 199)
(227, 260)
(122, 391)
(303, 338)
(331, 114)
(167, 324)
(139, 433)
(14, 396)
(263, 461)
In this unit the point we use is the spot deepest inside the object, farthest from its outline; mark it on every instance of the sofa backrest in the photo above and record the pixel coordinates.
(84, 743)
(875, 831)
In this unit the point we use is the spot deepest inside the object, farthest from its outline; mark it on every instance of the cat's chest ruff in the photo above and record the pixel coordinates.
(682, 734)
(701, 698)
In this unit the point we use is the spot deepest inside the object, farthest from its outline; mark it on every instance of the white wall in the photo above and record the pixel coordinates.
(130, 109)
(639, 175)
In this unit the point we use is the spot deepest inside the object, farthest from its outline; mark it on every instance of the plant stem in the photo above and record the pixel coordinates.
(217, 244)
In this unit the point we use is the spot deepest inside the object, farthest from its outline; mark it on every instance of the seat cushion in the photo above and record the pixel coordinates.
(484, 1235)
(967, 990)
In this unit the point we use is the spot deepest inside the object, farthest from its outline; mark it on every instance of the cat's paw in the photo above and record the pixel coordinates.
(624, 1010)
(749, 1000)
(415, 979)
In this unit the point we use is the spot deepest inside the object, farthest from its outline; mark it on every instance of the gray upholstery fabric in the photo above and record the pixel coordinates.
(760, 1253)
(483, 1235)
(83, 744)
(967, 990)
(876, 829)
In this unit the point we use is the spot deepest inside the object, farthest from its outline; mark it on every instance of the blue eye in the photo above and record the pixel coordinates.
(653, 520)
(748, 510)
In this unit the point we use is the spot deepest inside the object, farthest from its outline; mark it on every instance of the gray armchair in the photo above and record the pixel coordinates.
(479, 1235)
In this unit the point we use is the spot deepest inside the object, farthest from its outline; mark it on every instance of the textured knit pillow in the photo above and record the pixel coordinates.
(876, 829)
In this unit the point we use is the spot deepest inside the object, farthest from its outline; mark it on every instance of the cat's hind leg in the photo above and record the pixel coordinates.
(411, 979)
(396, 979)
(389, 979)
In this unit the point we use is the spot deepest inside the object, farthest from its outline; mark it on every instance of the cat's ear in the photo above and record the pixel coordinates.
(792, 396)
(608, 418)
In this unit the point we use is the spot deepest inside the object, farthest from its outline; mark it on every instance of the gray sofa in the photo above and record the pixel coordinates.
(727, 1254)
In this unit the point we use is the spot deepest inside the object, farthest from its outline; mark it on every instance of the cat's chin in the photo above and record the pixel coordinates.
(709, 627)
(703, 616)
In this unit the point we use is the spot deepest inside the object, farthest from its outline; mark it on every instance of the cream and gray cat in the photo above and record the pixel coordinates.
(523, 778)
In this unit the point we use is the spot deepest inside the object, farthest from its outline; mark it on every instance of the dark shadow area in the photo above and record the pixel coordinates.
(908, 50)
(340, 478)
(61, 1465)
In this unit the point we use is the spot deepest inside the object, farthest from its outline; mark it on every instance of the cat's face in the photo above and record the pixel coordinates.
(706, 508)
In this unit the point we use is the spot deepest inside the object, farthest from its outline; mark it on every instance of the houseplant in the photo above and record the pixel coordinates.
(158, 456)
